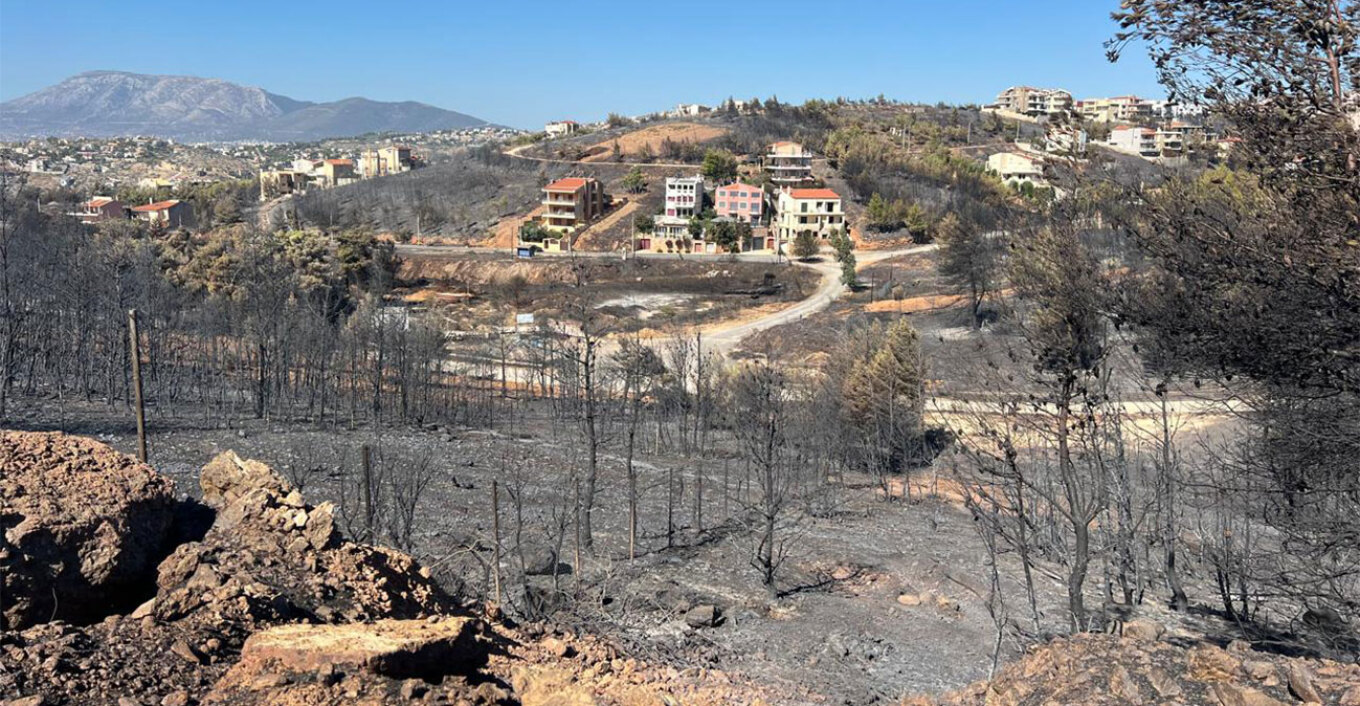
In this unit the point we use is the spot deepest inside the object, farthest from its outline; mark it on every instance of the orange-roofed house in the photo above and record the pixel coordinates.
(571, 203)
(789, 164)
(165, 214)
(101, 208)
(816, 211)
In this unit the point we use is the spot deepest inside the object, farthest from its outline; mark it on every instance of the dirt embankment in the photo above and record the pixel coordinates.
(652, 140)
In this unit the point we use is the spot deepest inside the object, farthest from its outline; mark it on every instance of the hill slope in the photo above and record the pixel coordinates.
(114, 103)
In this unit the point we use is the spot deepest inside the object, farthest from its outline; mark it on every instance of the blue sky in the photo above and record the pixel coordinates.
(522, 62)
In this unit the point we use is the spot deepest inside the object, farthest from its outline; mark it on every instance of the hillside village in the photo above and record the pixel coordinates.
(847, 401)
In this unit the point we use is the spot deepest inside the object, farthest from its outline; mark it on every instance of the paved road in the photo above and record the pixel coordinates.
(725, 338)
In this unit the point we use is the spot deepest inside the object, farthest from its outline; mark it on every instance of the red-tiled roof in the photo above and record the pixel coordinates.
(340, 161)
(158, 206)
(739, 186)
(98, 201)
(567, 184)
(813, 194)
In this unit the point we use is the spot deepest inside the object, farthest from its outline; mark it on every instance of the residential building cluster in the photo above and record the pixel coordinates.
(1154, 129)
(694, 212)
(305, 173)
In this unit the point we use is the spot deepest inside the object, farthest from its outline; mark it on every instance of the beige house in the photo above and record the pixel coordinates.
(1016, 168)
(383, 161)
(337, 172)
(278, 182)
(571, 203)
(816, 211)
(789, 164)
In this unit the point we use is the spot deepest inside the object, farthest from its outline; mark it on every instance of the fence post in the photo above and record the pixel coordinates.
(496, 538)
(135, 353)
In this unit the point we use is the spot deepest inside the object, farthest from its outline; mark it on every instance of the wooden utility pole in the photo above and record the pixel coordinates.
(366, 491)
(135, 352)
(496, 539)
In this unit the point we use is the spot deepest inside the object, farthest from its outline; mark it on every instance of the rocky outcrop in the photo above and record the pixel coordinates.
(81, 528)
(270, 557)
(1105, 670)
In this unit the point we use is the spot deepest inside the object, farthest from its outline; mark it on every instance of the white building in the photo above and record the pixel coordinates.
(1132, 139)
(1017, 168)
(815, 211)
(684, 196)
(561, 128)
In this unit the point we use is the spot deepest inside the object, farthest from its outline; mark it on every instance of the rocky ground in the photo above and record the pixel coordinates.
(270, 604)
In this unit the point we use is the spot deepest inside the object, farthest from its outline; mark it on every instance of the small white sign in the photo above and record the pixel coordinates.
(522, 319)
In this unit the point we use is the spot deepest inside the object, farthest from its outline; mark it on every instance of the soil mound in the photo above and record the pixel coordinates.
(81, 528)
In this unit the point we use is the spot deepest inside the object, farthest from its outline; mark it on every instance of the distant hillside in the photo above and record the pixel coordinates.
(115, 103)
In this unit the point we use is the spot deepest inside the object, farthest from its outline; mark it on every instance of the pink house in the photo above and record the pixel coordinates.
(740, 201)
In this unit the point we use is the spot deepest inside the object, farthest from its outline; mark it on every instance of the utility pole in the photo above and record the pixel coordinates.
(135, 352)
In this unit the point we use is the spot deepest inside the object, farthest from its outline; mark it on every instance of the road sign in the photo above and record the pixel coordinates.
(524, 319)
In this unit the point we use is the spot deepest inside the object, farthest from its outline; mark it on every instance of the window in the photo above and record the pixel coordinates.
(722, 204)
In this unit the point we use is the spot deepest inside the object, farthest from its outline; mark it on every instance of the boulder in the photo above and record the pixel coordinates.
(704, 616)
(1144, 630)
(82, 527)
(386, 662)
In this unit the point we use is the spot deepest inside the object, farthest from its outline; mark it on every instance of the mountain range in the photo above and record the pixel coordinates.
(188, 108)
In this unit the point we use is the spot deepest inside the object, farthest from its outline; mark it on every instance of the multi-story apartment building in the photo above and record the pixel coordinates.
(740, 201)
(816, 211)
(684, 196)
(571, 203)
(1034, 101)
(1116, 110)
(1132, 139)
(789, 164)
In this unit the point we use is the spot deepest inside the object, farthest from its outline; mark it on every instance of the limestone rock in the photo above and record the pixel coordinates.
(704, 616)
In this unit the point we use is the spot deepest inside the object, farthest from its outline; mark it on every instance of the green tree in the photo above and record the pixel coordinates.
(883, 396)
(644, 223)
(635, 182)
(805, 246)
(719, 166)
(969, 260)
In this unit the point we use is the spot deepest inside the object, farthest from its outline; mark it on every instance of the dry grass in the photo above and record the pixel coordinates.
(633, 143)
